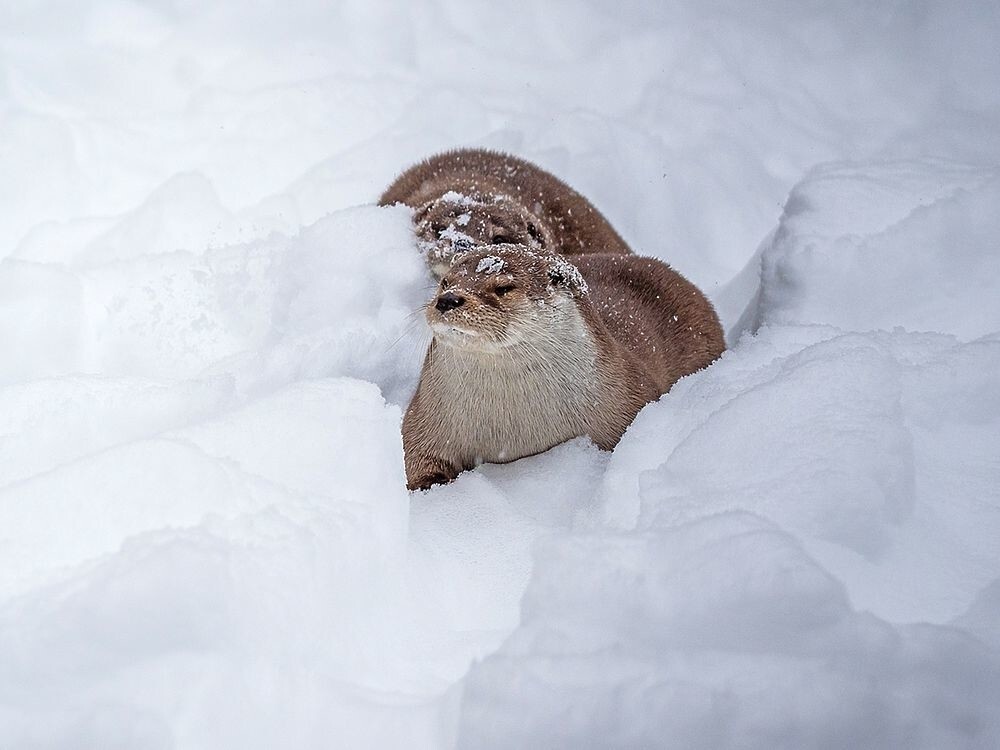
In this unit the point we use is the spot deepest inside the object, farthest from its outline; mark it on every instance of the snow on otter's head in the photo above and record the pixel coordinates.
(454, 223)
(497, 296)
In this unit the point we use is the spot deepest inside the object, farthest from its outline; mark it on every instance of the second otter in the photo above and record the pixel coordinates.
(472, 197)
(530, 350)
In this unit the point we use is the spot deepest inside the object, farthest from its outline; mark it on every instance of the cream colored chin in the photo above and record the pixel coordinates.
(458, 337)
(441, 328)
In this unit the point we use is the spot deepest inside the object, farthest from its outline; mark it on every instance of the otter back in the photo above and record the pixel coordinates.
(655, 313)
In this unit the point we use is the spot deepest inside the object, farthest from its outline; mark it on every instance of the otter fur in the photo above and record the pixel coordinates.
(530, 350)
(470, 197)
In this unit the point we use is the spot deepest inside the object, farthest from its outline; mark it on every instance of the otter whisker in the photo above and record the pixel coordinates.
(412, 325)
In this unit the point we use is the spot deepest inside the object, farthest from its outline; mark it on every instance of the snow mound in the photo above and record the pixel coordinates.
(870, 246)
(314, 305)
(718, 633)
(767, 536)
(879, 458)
(199, 554)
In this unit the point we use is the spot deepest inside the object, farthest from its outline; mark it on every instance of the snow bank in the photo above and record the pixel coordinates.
(204, 531)
(195, 555)
(863, 456)
(718, 633)
(314, 305)
(924, 233)
(808, 478)
(761, 532)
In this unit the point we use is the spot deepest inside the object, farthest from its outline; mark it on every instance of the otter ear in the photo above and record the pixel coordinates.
(535, 234)
(557, 278)
(564, 274)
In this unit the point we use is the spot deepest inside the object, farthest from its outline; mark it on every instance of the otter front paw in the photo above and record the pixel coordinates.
(426, 481)
(424, 474)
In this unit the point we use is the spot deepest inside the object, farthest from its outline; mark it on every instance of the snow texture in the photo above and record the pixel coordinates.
(453, 196)
(211, 333)
(490, 265)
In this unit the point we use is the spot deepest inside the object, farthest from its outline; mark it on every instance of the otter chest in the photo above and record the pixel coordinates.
(502, 406)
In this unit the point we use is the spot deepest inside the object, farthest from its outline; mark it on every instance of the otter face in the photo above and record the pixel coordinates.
(497, 296)
(453, 224)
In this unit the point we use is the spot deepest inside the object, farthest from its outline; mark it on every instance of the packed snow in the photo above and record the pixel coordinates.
(212, 333)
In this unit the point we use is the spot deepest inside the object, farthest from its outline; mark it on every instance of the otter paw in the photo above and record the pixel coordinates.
(426, 481)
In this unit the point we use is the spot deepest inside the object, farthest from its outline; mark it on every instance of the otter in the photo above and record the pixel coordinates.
(530, 350)
(469, 197)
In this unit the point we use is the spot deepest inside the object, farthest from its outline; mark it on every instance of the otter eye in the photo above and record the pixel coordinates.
(445, 283)
(535, 234)
(500, 291)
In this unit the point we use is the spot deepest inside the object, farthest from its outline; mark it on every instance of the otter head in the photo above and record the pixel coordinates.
(497, 296)
(452, 224)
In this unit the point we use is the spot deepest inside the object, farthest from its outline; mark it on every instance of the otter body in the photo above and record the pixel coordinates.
(530, 350)
(470, 197)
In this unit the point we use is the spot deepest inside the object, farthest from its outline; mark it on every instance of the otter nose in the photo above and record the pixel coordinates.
(449, 301)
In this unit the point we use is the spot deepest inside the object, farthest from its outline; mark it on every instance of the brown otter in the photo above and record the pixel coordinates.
(530, 350)
(472, 197)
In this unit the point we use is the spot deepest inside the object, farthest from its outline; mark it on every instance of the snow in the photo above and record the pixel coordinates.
(568, 274)
(211, 334)
(490, 265)
(718, 633)
(453, 196)
(882, 217)
(454, 236)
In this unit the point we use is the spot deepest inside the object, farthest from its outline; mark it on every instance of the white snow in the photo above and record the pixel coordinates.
(210, 334)
(454, 235)
(491, 264)
(569, 273)
(453, 196)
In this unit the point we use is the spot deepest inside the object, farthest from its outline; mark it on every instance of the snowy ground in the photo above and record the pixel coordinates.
(209, 330)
